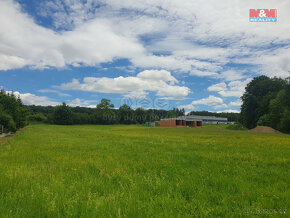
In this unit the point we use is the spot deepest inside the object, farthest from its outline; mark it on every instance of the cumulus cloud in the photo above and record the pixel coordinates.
(232, 38)
(93, 32)
(229, 111)
(188, 107)
(157, 75)
(232, 89)
(47, 48)
(220, 106)
(167, 36)
(210, 101)
(140, 94)
(59, 93)
(231, 75)
(214, 101)
(235, 103)
(218, 87)
(177, 63)
(82, 103)
(31, 99)
(11, 62)
(161, 82)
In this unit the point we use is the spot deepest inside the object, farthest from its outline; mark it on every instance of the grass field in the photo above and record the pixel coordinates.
(135, 171)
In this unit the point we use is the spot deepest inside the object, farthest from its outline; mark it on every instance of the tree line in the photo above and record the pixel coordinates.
(105, 113)
(13, 114)
(266, 102)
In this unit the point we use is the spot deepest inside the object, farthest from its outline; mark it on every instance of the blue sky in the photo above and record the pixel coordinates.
(198, 54)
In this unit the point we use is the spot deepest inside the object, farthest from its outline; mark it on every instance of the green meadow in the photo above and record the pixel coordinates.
(136, 171)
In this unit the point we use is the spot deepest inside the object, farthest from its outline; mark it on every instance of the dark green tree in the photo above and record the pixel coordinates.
(141, 116)
(256, 99)
(284, 124)
(13, 113)
(171, 113)
(126, 114)
(39, 117)
(104, 113)
(63, 115)
(7, 121)
(105, 104)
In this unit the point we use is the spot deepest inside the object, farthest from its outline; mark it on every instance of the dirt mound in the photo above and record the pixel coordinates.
(264, 129)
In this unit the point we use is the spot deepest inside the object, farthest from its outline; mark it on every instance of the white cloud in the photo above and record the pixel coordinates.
(144, 81)
(216, 102)
(231, 93)
(231, 75)
(25, 43)
(270, 62)
(140, 94)
(82, 103)
(229, 111)
(210, 101)
(177, 63)
(220, 106)
(227, 28)
(31, 99)
(232, 89)
(157, 75)
(188, 107)
(54, 91)
(111, 34)
(11, 62)
(236, 103)
(196, 43)
(196, 72)
(217, 87)
(68, 13)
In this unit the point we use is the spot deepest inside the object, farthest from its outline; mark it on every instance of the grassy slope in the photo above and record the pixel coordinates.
(131, 171)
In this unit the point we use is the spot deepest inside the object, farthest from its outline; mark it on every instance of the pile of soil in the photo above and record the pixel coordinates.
(264, 129)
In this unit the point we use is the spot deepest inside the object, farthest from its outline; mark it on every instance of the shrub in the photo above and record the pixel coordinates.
(284, 125)
(8, 122)
(237, 126)
(39, 117)
(12, 111)
(264, 120)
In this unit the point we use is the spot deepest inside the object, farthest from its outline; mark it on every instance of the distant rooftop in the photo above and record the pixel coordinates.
(198, 118)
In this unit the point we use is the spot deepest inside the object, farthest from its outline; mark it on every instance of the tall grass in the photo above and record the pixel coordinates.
(135, 171)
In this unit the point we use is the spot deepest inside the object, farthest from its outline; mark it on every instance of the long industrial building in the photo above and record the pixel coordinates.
(192, 121)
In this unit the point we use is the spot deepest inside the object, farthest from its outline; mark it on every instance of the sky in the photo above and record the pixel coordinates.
(191, 54)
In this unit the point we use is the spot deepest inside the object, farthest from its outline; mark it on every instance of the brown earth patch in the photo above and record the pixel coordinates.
(264, 129)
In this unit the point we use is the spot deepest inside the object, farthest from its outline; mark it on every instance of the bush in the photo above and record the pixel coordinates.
(8, 123)
(264, 120)
(13, 113)
(284, 125)
(39, 117)
(237, 126)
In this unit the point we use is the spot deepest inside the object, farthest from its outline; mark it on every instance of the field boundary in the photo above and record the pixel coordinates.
(7, 136)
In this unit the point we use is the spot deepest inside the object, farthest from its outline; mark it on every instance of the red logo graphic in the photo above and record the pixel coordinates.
(263, 13)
